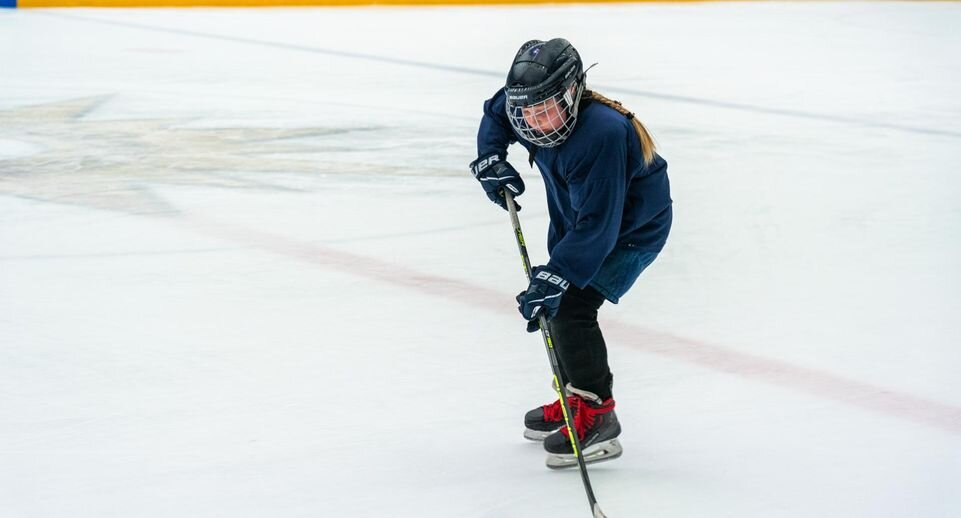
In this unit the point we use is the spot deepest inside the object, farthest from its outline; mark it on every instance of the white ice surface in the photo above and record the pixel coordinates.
(244, 270)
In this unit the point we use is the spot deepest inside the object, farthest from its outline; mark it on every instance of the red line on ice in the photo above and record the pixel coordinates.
(745, 365)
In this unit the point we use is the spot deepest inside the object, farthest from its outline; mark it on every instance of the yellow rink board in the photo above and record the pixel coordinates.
(316, 3)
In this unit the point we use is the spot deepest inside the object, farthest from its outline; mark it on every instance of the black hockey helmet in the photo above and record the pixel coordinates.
(543, 88)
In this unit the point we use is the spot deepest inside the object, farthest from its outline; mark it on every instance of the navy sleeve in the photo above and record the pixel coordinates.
(495, 133)
(597, 185)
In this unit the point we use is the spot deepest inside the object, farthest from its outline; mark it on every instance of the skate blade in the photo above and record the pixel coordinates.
(600, 452)
(535, 435)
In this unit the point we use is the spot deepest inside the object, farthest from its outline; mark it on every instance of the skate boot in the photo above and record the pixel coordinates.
(597, 428)
(545, 420)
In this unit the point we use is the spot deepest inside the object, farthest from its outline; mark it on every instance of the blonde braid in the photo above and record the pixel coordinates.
(647, 142)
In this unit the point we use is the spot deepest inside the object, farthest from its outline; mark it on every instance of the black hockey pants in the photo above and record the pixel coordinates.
(580, 347)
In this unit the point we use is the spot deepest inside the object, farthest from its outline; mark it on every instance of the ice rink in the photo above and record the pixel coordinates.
(245, 272)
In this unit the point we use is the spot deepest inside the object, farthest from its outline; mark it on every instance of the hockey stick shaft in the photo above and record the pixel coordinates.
(555, 367)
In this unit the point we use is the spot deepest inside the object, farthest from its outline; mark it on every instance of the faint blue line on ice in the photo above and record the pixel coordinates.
(287, 46)
(487, 73)
(784, 112)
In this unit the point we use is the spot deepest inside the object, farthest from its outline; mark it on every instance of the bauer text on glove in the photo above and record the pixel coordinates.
(497, 176)
(543, 295)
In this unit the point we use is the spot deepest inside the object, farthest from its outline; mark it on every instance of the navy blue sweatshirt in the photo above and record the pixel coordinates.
(600, 195)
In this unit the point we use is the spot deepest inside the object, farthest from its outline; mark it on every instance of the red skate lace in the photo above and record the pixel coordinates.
(585, 415)
(554, 412)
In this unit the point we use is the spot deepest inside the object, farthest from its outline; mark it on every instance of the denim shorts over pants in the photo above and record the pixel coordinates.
(619, 271)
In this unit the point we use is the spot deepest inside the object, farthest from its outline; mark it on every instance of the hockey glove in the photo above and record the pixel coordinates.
(543, 297)
(495, 175)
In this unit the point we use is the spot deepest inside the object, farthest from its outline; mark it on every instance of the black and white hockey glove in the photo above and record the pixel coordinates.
(496, 175)
(543, 297)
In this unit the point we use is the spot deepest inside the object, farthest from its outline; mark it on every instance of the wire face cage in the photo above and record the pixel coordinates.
(547, 123)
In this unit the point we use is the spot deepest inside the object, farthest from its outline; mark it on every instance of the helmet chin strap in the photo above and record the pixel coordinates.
(582, 82)
(575, 101)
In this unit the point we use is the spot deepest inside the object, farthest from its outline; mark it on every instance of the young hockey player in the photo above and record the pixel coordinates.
(609, 202)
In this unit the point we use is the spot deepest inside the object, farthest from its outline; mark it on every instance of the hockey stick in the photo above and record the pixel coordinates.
(549, 344)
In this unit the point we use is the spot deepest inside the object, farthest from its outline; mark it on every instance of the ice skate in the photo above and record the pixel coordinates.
(545, 420)
(597, 428)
